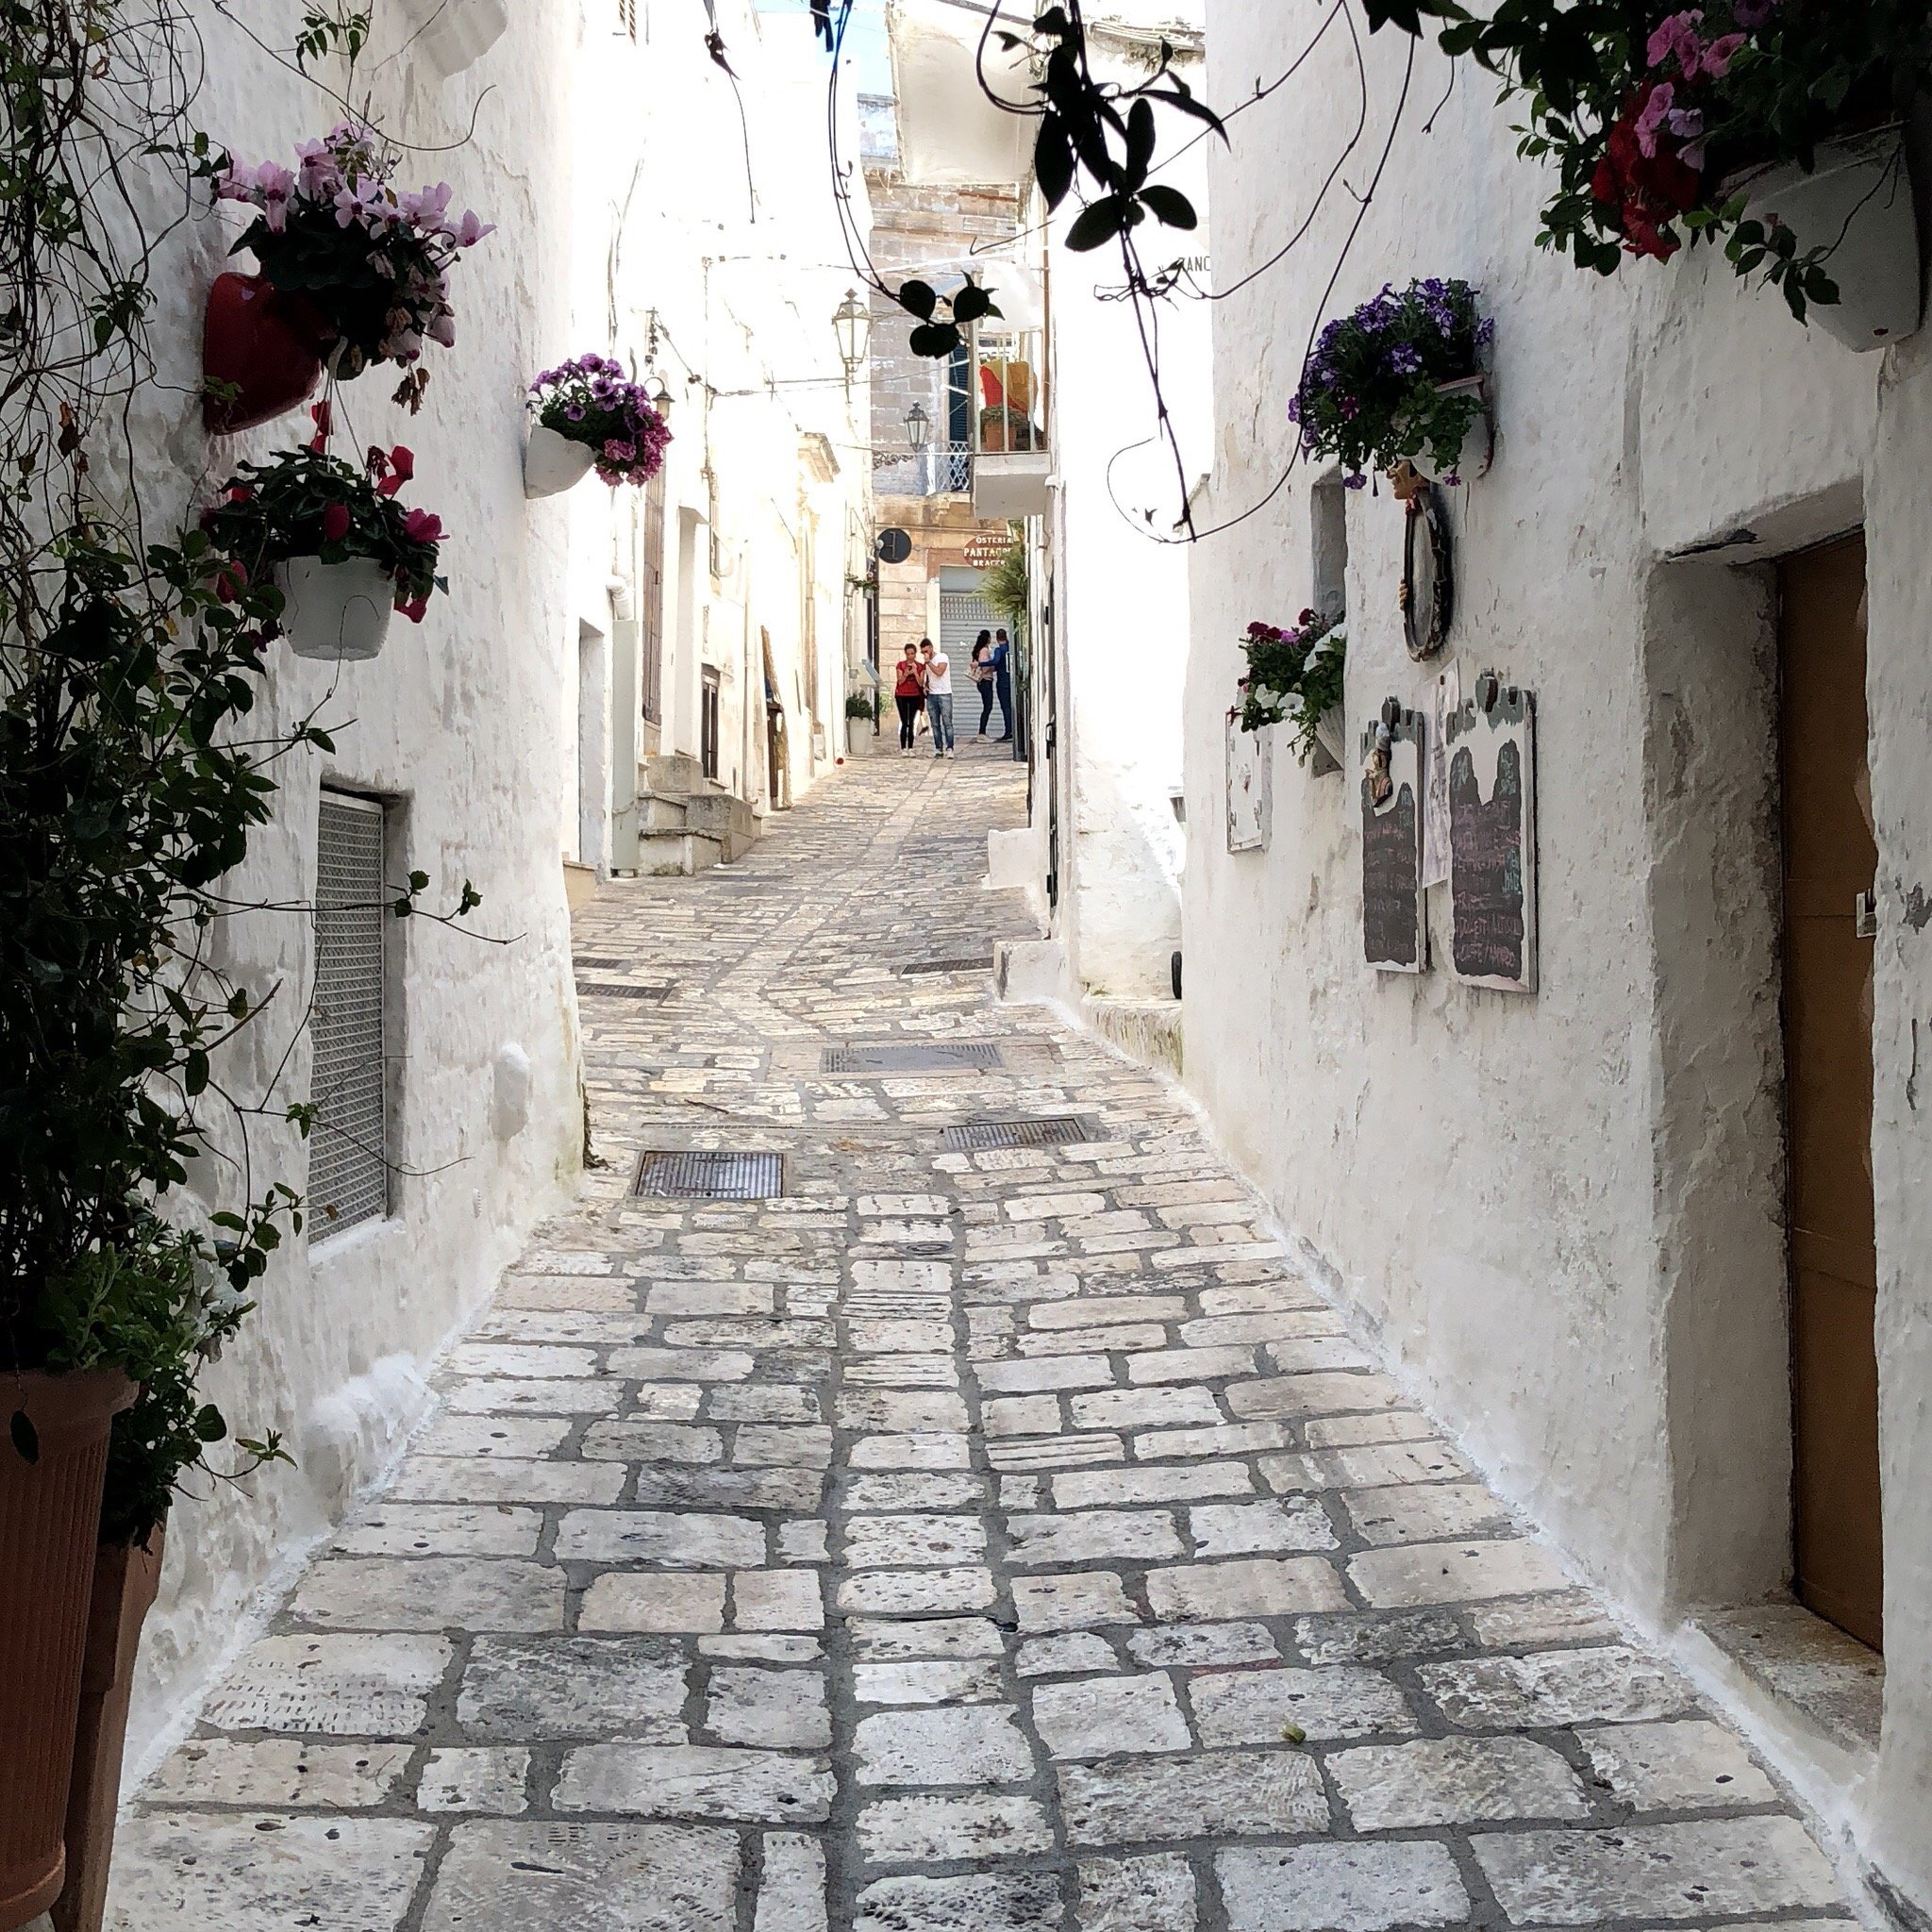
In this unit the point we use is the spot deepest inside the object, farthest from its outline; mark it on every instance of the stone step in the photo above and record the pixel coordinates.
(663, 852)
(676, 774)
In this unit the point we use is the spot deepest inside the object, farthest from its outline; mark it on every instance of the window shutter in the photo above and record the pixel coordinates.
(348, 1166)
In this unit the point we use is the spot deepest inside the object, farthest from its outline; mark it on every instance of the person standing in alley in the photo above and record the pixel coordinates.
(908, 694)
(982, 675)
(939, 696)
(1003, 683)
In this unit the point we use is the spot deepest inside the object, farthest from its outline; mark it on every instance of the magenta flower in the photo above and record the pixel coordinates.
(423, 526)
(1720, 53)
(335, 522)
(1656, 111)
(1678, 36)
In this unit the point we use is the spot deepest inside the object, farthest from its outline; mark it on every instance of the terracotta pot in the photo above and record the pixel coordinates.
(268, 345)
(125, 1581)
(554, 463)
(335, 611)
(50, 1517)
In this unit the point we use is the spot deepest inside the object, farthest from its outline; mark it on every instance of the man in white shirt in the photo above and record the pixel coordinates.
(939, 696)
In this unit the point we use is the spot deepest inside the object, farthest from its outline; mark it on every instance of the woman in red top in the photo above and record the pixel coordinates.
(908, 694)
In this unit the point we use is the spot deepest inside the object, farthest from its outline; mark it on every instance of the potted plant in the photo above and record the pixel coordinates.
(352, 272)
(862, 721)
(1398, 381)
(1769, 124)
(1295, 678)
(340, 548)
(590, 415)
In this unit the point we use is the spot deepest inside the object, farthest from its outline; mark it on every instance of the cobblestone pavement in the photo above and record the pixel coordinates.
(972, 1538)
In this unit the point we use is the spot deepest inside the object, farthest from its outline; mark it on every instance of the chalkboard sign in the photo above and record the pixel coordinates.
(1395, 929)
(1491, 748)
(1250, 785)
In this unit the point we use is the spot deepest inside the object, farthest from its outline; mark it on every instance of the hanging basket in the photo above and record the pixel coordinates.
(126, 1582)
(335, 611)
(1857, 202)
(1331, 732)
(1477, 448)
(554, 463)
(447, 36)
(50, 1518)
(263, 348)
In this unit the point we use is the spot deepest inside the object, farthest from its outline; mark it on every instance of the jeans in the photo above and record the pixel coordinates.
(985, 704)
(909, 716)
(939, 706)
(1004, 683)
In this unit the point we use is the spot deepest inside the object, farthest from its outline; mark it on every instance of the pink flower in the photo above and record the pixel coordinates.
(621, 452)
(335, 522)
(1720, 53)
(444, 329)
(1677, 35)
(472, 229)
(1656, 111)
(428, 206)
(423, 526)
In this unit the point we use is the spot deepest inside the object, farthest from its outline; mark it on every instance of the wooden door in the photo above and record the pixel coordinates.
(1830, 860)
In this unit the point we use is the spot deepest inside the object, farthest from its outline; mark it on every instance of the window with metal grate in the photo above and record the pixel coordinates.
(348, 1166)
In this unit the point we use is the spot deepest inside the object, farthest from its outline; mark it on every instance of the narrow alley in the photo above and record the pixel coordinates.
(979, 1526)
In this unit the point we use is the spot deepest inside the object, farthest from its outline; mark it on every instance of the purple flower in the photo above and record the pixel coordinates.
(1655, 113)
(1357, 481)
(1752, 14)
(1404, 359)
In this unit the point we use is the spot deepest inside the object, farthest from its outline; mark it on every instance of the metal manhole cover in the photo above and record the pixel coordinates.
(709, 1174)
(605, 991)
(1045, 1130)
(935, 1056)
(981, 962)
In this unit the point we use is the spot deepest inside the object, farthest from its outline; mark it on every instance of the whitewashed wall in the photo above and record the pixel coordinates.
(1122, 593)
(1563, 1211)
(336, 1355)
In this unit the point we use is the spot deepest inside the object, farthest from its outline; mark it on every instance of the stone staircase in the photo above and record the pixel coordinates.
(687, 823)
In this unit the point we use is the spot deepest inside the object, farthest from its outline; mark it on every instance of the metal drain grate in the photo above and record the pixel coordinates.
(586, 964)
(1046, 1130)
(605, 991)
(936, 1057)
(981, 962)
(709, 1174)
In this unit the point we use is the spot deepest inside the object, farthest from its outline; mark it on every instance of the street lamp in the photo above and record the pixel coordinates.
(852, 326)
(918, 427)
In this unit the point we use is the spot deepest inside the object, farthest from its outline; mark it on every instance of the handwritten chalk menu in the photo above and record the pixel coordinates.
(1491, 748)
(1394, 932)
(1250, 787)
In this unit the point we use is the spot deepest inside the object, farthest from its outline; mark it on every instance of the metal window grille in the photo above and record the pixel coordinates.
(348, 1165)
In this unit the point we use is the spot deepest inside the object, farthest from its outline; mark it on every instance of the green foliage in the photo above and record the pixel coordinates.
(1651, 116)
(862, 704)
(1005, 586)
(1293, 677)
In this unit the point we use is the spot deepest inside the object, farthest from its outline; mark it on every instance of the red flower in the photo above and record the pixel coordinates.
(402, 462)
(1644, 191)
(414, 609)
(423, 526)
(335, 522)
(231, 579)
(321, 416)
(238, 492)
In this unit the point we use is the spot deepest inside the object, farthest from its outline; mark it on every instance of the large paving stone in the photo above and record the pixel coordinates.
(1248, 1586)
(191, 1872)
(660, 1536)
(1340, 1888)
(972, 1744)
(280, 1772)
(431, 1594)
(937, 1828)
(1558, 1687)
(1151, 1894)
(527, 1689)
(343, 1687)
(1262, 1707)
(1216, 1794)
(1454, 1781)
(695, 1781)
(1691, 1766)
(1104, 1717)
(501, 1877)
(984, 1902)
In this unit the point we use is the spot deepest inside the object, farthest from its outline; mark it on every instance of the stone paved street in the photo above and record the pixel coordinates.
(972, 1538)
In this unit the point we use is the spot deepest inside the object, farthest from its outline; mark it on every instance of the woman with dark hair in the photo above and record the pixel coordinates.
(982, 675)
(908, 694)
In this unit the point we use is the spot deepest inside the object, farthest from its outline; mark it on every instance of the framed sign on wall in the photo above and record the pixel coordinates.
(1395, 933)
(1250, 785)
(1492, 759)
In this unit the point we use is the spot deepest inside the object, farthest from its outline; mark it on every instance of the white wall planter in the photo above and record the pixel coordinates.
(335, 611)
(1478, 446)
(860, 738)
(1331, 733)
(1858, 201)
(445, 36)
(554, 463)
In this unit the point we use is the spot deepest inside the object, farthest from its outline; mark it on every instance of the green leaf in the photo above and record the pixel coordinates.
(208, 1423)
(972, 302)
(1052, 160)
(1098, 222)
(918, 298)
(1169, 205)
(934, 338)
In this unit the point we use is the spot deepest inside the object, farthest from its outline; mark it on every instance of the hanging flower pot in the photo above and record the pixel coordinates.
(1471, 457)
(342, 551)
(1330, 732)
(554, 463)
(335, 611)
(1295, 678)
(590, 405)
(449, 35)
(51, 1475)
(1856, 204)
(125, 1580)
(261, 352)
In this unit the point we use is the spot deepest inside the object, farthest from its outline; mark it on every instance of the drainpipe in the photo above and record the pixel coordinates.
(624, 726)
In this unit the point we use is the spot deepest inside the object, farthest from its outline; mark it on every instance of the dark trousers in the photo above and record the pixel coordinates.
(909, 710)
(1003, 682)
(985, 704)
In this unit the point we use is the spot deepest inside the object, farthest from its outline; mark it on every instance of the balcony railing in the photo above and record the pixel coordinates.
(941, 469)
